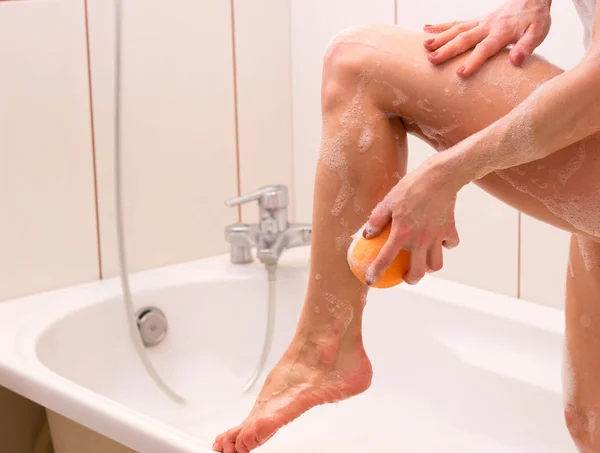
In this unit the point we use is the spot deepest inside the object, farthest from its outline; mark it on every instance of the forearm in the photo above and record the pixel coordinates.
(563, 111)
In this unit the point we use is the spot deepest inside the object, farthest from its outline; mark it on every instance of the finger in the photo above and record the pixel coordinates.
(438, 28)
(417, 266)
(378, 220)
(525, 46)
(485, 49)
(448, 35)
(463, 42)
(451, 240)
(435, 257)
(386, 256)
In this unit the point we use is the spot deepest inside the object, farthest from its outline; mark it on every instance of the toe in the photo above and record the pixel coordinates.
(218, 445)
(247, 440)
(240, 444)
(229, 438)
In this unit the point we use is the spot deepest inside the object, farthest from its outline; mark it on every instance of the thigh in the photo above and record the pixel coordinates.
(582, 360)
(443, 109)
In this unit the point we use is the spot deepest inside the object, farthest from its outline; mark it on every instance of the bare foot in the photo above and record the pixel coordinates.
(311, 373)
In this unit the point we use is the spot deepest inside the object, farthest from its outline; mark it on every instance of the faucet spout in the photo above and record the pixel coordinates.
(273, 234)
(296, 235)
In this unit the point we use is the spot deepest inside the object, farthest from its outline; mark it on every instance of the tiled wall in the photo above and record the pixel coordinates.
(212, 104)
(217, 94)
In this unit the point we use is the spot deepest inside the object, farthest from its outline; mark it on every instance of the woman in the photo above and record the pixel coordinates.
(524, 132)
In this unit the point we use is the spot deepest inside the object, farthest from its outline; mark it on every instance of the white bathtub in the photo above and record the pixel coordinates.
(456, 369)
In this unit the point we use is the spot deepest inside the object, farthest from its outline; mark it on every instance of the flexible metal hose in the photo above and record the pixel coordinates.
(129, 307)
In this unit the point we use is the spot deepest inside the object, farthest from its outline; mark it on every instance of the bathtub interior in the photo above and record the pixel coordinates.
(215, 336)
(446, 378)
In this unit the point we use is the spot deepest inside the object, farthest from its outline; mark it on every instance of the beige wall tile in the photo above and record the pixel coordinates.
(178, 128)
(47, 226)
(263, 60)
(544, 259)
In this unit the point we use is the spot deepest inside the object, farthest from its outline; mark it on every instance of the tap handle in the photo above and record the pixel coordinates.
(269, 197)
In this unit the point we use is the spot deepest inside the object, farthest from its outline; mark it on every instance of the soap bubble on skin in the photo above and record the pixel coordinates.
(340, 310)
(345, 239)
(568, 379)
(357, 207)
(571, 269)
(437, 135)
(333, 156)
(366, 139)
(589, 251)
(591, 425)
(424, 105)
(565, 173)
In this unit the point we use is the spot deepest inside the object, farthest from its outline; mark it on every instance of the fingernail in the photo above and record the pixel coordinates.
(460, 71)
(432, 55)
(428, 41)
(368, 232)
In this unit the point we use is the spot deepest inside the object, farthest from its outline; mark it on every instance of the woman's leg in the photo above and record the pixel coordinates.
(581, 375)
(370, 75)
(363, 154)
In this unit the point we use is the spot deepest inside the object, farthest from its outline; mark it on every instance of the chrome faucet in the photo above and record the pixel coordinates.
(273, 233)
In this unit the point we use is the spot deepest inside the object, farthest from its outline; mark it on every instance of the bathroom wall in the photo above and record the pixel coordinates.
(212, 106)
(203, 119)
(47, 210)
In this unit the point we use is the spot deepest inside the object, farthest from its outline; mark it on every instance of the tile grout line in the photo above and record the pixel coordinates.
(292, 126)
(235, 108)
(519, 256)
(93, 137)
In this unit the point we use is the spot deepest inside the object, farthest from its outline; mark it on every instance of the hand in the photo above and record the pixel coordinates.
(421, 208)
(524, 23)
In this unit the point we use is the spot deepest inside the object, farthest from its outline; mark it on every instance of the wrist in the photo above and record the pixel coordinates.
(452, 168)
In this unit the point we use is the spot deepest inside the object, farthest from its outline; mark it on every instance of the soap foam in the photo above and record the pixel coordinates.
(590, 252)
(333, 156)
(565, 173)
(345, 239)
(425, 105)
(571, 269)
(366, 139)
(399, 97)
(340, 309)
(569, 380)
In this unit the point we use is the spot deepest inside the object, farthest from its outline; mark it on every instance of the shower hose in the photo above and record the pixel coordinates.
(127, 297)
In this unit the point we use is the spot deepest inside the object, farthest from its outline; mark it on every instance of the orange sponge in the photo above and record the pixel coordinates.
(362, 253)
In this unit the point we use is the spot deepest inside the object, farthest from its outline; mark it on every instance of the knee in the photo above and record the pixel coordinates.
(582, 426)
(346, 64)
